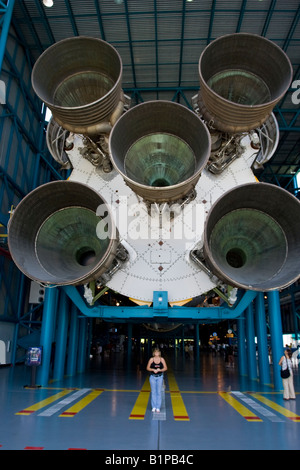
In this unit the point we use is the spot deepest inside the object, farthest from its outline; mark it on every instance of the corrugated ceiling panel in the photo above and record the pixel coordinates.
(43, 33)
(138, 6)
(287, 5)
(293, 53)
(83, 7)
(224, 23)
(280, 25)
(127, 77)
(59, 8)
(142, 27)
(115, 28)
(88, 26)
(168, 75)
(232, 5)
(169, 52)
(61, 28)
(144, 54)
(166, 5)
(32, 7)
(145, 76)
(258, 5)
(196, 25)
(253, 22)
(111, 7)
(169, 27)
(189, 75)
(192, 51)
(199, 5)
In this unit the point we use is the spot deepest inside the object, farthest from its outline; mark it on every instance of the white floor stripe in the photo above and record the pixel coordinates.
(258, 407)
(66, 401)
(162, 416)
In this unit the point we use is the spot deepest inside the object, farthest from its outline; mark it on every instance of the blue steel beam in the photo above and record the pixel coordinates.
(130, 43)
(156, 45)
(292, 30)
(262, 339)
(211, 21)
(242, 12)
(99, 17)
(71, 16)
(41, 10)
(160, 309)
(276, 335)
(6, 8)
(268, 17)
(182, 41)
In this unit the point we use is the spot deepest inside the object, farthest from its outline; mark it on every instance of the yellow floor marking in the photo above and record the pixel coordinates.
(31, 409)
(289, 414)
(241, 409)
(179, 410)
(140, 407)
(71, 412)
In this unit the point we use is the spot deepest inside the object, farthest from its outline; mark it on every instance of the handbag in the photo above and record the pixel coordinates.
(285, 373)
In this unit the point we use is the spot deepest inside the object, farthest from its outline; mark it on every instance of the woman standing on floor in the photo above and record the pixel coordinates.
(156, 366)
(288, 383)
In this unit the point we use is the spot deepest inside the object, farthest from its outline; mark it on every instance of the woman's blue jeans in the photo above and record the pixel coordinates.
(156, 383)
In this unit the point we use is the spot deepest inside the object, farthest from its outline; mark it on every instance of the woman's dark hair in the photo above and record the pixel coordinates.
(288, 350)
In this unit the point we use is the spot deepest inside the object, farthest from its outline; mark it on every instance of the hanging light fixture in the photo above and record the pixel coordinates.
(48, 3)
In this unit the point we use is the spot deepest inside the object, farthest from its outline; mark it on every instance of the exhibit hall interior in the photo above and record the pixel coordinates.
(150, 227)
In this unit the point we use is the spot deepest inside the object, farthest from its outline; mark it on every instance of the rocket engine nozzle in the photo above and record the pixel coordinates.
(79, 79)
(252, 237)
(53, 234)
(242, 77)
(160, 149)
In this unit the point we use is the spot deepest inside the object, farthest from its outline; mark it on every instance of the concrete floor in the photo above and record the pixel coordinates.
(206, 406)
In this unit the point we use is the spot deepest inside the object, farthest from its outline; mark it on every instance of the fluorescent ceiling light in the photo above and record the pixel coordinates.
(48, 3)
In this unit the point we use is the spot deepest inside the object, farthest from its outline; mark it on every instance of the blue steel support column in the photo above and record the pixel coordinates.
(47, 333)
(295, 319)
(196, 348)
(242, 357)
(73, 342)
(20, 306)
(276, 335)
(82, 345)
(129, 342)
(251, 350)
(61, 336)
(6, 19)
(262, 342)
(90, 337)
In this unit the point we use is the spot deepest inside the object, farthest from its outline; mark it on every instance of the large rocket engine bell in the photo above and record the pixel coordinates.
(160, 149)
(251, 237)
(161, 153)
(79, 79)
(52, 234)
(242, 77)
